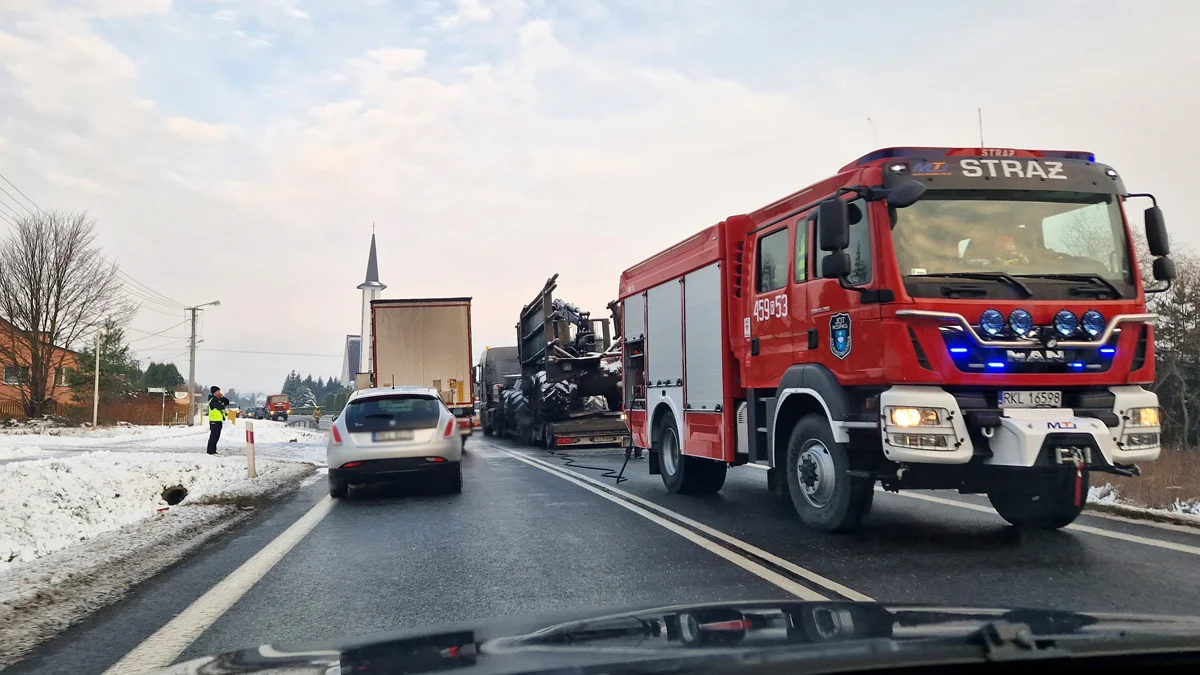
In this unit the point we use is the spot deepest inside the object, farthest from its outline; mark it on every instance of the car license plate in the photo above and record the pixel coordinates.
(604, 439)
(385, 436)
(1031, 399)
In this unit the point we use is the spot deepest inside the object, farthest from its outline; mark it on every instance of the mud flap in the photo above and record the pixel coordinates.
(653, 463)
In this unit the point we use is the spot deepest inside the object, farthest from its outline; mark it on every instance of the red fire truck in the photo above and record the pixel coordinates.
(927, 318)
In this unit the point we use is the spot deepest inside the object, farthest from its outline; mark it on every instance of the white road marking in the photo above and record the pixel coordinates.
(167, 643)
(746, 563)
(1082, 528)
(1112, 534)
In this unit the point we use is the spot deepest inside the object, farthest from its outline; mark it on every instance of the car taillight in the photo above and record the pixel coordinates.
(337, 435)
(449, 429)
(464, 422)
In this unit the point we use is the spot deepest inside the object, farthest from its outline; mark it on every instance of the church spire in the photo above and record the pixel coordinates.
(372, 280)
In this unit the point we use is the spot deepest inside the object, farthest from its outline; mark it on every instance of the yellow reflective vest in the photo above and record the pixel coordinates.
(215, 414)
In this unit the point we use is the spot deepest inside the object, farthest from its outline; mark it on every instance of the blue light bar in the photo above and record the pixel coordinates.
(1108, 351)
(922, 153)
(1077, 364)
(959, 350)
(995, 364)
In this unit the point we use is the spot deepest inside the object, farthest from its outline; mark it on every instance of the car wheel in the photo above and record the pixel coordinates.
(454, 479)
(338, 490)
(823, 493)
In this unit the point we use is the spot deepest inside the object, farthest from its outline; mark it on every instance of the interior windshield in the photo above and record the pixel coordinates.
(1017, 233)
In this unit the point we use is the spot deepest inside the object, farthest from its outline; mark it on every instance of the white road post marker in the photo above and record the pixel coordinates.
(250, 472)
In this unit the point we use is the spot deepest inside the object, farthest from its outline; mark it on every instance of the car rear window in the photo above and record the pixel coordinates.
(402, 411)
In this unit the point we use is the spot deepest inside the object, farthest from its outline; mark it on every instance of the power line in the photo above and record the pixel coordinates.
(148, 294)
(150, 335)
(6, 180)
(166, 345)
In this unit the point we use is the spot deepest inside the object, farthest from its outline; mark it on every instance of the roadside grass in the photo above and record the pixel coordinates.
(1171, 482)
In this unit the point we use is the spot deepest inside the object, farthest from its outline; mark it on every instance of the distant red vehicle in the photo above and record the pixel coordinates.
(278, 407)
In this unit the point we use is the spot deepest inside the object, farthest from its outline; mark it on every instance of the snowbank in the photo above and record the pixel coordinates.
(49, 504)
(85, 437)
(1107, 495)
(41, 598)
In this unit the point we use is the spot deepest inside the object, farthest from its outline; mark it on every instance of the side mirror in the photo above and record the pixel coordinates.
(836, 265)
(906, 194)
(1156, 233)
(1164, 269)
(833, 225)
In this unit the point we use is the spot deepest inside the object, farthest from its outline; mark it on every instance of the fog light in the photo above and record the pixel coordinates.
(1137, 441)
(921, 441)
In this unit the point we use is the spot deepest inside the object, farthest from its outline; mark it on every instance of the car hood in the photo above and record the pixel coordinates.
(684, 636)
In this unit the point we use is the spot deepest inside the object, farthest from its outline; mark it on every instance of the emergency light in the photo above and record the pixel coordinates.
(919, 153)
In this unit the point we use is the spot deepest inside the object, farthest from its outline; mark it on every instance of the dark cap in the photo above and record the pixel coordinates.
(214, 390)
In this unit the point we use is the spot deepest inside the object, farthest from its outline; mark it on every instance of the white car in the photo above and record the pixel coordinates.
(384, 434)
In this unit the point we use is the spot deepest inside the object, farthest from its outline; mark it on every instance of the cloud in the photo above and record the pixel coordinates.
(396, 60)
(495, 143)
(465, 11)
(195, 130)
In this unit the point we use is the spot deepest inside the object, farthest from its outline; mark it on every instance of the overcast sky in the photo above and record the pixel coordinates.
(240, 150)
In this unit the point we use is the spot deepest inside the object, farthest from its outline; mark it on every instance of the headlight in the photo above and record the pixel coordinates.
(1143, 417)
(624, 417)
(1020, 321)
(991, 321)
(915, 417)
(1093, 322)
(1065, 323)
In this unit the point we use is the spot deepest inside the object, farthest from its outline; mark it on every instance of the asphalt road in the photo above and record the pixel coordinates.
(530, 535)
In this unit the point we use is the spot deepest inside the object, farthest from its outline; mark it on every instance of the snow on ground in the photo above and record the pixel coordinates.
(1107, 494)
(49, 504)
(274, 440)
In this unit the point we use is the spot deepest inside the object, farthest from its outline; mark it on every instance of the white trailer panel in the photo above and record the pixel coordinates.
(424, 342)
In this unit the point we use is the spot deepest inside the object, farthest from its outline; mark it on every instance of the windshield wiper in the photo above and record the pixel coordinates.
(1094, 278)
(987, 276)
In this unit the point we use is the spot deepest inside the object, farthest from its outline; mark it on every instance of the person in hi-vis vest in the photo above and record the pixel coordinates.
(216, 418)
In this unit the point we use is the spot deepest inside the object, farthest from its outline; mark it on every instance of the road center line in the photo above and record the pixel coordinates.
(167, 643)
(1184, 548)
(625, 498)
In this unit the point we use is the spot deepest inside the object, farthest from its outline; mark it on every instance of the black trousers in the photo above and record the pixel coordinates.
(214, 435)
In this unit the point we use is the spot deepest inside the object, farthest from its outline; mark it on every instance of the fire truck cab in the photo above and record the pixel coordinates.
(927, 318)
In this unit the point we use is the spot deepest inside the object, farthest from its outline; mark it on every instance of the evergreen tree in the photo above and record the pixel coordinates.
(120, 374)
(306, 398)
(164, 375)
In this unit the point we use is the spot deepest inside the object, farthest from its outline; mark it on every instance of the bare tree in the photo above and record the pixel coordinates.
(55, 288)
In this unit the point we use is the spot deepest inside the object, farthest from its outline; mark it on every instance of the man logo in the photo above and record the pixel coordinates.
(1036, 356)
(1061, 426)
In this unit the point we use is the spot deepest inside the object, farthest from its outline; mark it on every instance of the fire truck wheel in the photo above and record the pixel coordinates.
(1043, 505)
(824, 496)
(683, 474)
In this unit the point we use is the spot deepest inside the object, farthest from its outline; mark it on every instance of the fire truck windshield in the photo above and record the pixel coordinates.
(1014, 232)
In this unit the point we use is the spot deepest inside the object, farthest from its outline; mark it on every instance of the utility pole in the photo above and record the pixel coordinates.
(96, 384)
(192, 362)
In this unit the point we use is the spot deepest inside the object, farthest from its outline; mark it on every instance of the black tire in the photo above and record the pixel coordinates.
(454, 479)
(547, 438)
(338, 490)
(681, 473)
(1047, 504)
(487, 428)
(825, 498)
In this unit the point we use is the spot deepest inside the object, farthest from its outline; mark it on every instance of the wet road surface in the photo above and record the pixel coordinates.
(529, 534)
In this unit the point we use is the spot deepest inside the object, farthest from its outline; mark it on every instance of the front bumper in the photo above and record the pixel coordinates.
(1019, 437)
